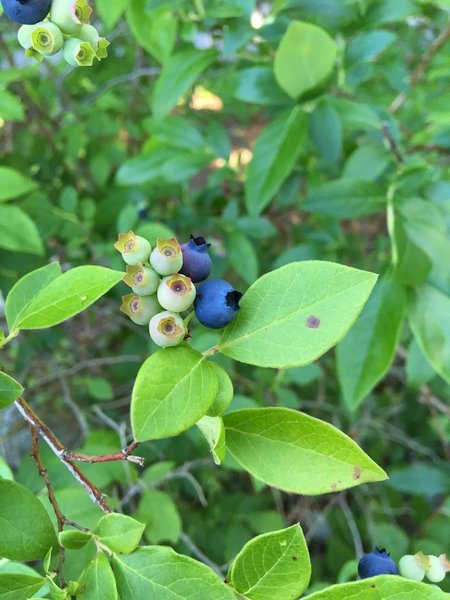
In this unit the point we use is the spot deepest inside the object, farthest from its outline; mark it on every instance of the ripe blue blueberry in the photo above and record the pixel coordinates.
(217, 303)
(26, 12)
(196, 260)
(378, 562)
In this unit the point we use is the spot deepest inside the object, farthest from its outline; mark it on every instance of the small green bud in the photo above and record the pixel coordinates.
(167, 329)
(140, 309)
(142, 280)
(135, 249)
(176, 293)
(167, 257)
(70, 15)
(78, 53)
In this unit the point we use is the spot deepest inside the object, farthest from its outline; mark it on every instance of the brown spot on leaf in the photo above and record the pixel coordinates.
(333, 486)
(357, 473)
(312, 322)
(294, 558)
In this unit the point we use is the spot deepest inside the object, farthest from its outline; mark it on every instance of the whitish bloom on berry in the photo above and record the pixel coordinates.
(140, 309)
(176, 293)
(166, 257)
(142, 280)
(70, 15)
(167, 329)
(134, 248)
(414, 566)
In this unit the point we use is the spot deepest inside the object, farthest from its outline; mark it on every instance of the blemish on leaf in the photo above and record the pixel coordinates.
(83, 298)
(294, 558)
(312, 322)
(357, 473)
(334, 486)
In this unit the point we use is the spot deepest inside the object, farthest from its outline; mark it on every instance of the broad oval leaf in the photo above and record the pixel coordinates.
(67, 296)
(24, 292)
(383, 587)
(274, 156)
(161, 517)
(429, 316)
(10, 390)
(97, 581)
(304, 58)
(18, 586)
(213, 431)
(178, 74)
(72, 539)
(273, 565)
(225, 391)
(346, 199)
(297, 453)
(159, 573)
(26, 530)
(291, 316)
(243, 256)
(375, 334)
(119, 533)
(18, 232)
(13, 184)
(174, 388)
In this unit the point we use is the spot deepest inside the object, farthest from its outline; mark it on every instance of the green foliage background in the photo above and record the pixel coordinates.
(198, 123)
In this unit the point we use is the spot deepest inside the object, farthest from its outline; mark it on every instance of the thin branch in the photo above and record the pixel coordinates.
(357, 542)
(391, 141)
(421, 68)
(124, 454)
(199, 554)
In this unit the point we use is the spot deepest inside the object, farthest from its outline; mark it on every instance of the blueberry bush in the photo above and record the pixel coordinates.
(263, 190)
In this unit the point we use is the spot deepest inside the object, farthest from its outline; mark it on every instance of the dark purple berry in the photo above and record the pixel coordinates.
(26, 12)
(378, 562)
(217, 303)
(196, 260)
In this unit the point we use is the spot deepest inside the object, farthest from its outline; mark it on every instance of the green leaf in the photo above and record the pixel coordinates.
(11, 107)
(257, 85)
(291, 316)
(97, 581)
(243, 257)
(326, 131)
(161, 517)
(304, 58)
(274, 156)
(383, 587)
(10, 390)
(5, 470)
(25, 291)
(178, 74)
(74, 540)
(18, 232)
(367, 162)
(174, 388)
(27, 532)
(225, 391)
(425, 480)
(346, 199)
(13, 184)
(144, 168)
(155, 32)
(375, 334)
(429, 316)
(110, 12)
(67, 296)
(16, 586)
(213, 431)
(119, 533)
(159, 573)
(274, 564)
(297, 453)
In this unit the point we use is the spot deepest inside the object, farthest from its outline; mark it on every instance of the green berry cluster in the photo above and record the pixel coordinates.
(66, 28)
(160, 292)
(420, 565)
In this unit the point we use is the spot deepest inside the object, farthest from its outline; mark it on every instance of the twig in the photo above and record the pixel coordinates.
(199, 554)
(357, 542)
(57, 448)
(124, 454)
(421, 67)
(391, 141)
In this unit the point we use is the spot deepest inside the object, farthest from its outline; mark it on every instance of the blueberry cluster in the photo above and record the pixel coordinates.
(163, 283)
(49, 26)
(416, 567)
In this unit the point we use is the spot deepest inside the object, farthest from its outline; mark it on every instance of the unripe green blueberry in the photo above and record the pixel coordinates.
(167, 329)
(176, 293)
(24, 36)
(166, 257)
(142, 280)
(44, 37)
(135, 249)
(70, 15)
(88, 33)
(140, 309)
(413, 566)
(436, 571)
(78, 53)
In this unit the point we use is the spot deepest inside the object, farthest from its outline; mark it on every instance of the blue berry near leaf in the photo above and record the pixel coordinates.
(378, 562)
(196, 260)
(217, 303)
(26, 12)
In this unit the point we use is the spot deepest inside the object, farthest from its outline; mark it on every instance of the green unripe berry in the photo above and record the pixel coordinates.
(140, 309)
(142, 280)
(176, 293)
(167, 329)
(88, 33)
(413, 566)
(436, 571)
(166, 257)
(78, 53)
(44, 37)
(135, 249)
(70, 15)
